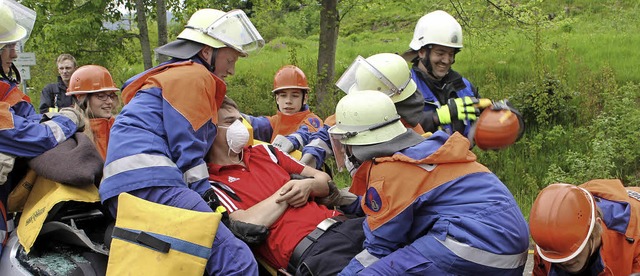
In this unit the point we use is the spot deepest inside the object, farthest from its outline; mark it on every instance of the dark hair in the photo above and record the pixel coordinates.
(228, 102)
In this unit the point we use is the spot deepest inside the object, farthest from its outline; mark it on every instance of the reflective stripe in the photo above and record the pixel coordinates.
(633, 194)
(365, 258)
(196, 173)
(428, 167)
(299, 138)
(479, 256)
(57, 131)
(134, 162)
(318, 143)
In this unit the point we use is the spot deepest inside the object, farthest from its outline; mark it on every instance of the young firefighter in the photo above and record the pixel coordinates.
(431, 209)
(22, 135)
(590, 229)
(95, 94)
(290, 129)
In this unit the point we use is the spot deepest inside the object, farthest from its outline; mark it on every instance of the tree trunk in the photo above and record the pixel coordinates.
(144, 34)
(326, 55)
(161, 8)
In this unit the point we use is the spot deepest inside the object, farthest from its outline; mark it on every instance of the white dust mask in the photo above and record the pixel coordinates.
(237, 136)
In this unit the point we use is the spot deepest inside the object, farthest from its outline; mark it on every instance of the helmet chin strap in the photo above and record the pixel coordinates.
(212, 60)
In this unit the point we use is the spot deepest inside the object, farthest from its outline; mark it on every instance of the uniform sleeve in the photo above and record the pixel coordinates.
(45, 99)
(262, 129)
(22, 134)
(299, 138)
(319, 146)
(187, 147)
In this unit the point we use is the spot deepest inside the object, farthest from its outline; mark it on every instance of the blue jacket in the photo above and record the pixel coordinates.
(165, 129)
(22, 135)
(431, 102)
(435, 200)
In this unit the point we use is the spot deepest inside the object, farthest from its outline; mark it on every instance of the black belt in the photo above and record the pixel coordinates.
(310, 239)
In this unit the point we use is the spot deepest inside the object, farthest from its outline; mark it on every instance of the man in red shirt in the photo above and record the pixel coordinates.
(255, 185)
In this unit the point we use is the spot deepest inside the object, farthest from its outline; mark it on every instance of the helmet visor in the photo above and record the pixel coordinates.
(339, 152)
(24, 17)
(361, 75)
(236, 30)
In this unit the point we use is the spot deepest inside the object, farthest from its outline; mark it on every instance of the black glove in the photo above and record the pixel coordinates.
(251, 234)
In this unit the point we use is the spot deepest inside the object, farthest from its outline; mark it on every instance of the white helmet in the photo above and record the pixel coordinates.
(16, 21)
(437, 27)
(365, 118)
(385, 72)
(217, 29)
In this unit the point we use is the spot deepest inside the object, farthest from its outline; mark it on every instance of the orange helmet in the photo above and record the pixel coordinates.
(90, 79)
(561, 221)
(498, 127)
(289, 76)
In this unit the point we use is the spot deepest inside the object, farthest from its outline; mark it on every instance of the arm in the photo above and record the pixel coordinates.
(262, 129)
(22, 134)
(318, 148)
(265, 213)
(297, 192)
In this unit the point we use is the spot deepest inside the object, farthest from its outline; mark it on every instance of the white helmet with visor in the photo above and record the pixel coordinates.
(387, 73)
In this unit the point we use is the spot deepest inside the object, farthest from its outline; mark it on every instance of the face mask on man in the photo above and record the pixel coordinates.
(237, 136)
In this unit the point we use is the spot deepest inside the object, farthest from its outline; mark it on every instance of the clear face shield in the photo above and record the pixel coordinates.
(361, 75)
(24, 18)
(236, 30)
(340, 133)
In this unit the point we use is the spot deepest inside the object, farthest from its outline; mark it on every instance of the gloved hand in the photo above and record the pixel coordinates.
(309, 160)
(283, 143)
(336, 197)
(458, 109)
(74, 115)
(250, 233)
(6, 166)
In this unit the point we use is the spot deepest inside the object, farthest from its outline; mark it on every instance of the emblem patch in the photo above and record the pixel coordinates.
(373, 200)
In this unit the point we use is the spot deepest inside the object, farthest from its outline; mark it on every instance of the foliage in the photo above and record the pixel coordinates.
(566, 65)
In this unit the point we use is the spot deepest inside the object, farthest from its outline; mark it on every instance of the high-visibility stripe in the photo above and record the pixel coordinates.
(176, 244)
(135, 162)
(299, 138)
(225, 200)
(479, 256)
(196, 173)
(318, 143)
(57, 131)
(365, 258)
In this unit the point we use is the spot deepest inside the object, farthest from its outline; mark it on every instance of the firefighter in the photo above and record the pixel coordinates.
(590, 229)
(22, 135)
(448, 96)
(159, 140)
(431, 209)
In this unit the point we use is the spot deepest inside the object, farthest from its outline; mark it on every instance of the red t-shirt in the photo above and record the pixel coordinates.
(264, 175)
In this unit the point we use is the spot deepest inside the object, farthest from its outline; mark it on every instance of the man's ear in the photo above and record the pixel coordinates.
(422, 53)
(206, 52)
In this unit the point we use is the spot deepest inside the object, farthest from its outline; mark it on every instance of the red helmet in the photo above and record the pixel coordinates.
(498, 127)
(561, 221)
(90, 79)
(289, 76)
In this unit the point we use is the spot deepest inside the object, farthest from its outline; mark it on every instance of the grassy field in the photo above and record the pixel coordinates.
(570, 66)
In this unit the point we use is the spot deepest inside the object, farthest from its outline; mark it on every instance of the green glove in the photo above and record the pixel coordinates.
(458, 109)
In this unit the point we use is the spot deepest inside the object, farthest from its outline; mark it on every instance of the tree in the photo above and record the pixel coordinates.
(143, 36)
(161, 9)
(329, 19)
